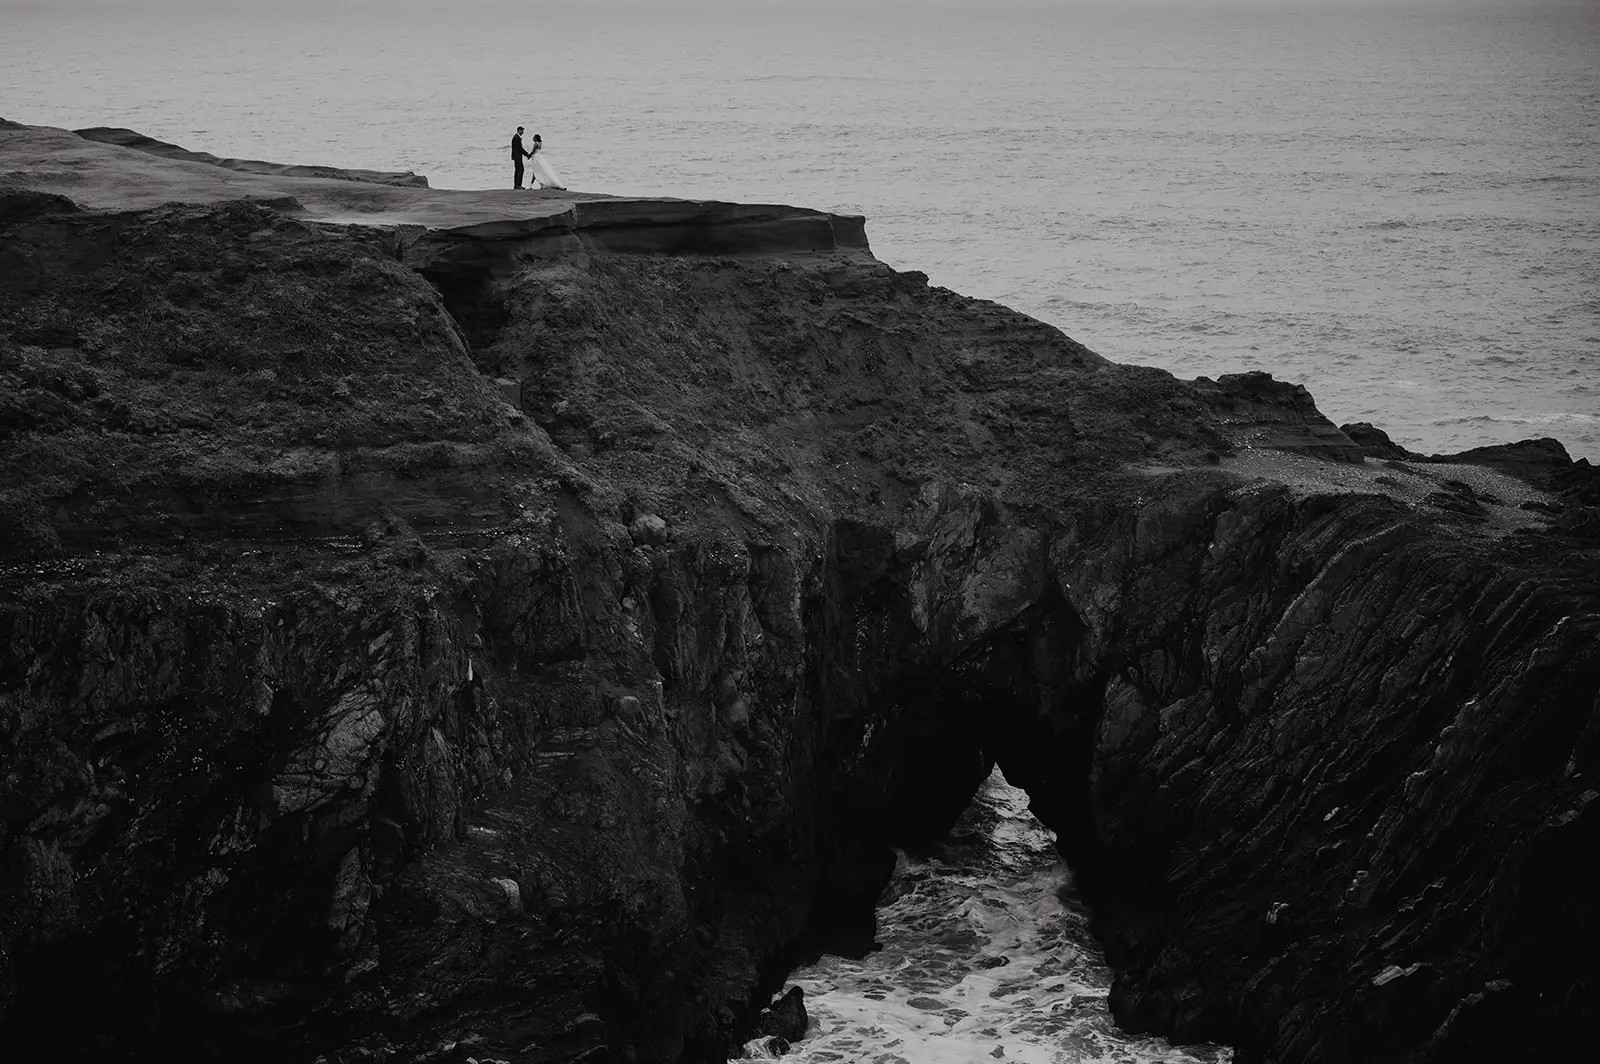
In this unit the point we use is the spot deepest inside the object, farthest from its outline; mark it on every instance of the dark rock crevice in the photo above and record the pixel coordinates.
(476, 302)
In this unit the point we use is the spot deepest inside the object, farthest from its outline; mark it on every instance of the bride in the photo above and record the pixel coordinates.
(544, 175)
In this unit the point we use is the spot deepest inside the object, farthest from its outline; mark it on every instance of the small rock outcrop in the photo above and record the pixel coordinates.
(648, 530)
(350, 711)
(1275, 415)
(786, 1017)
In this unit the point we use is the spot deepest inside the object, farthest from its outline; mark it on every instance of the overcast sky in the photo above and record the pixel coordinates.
(535, 5)
(532, 8)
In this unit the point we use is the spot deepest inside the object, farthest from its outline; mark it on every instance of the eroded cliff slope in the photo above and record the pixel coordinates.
(350, 709)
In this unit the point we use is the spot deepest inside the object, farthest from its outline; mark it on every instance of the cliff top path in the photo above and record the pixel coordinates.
(118, 169)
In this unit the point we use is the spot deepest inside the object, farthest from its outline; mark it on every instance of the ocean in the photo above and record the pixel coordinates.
(1396, 204)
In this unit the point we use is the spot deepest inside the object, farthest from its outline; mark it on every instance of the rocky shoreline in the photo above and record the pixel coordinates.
(445, 624)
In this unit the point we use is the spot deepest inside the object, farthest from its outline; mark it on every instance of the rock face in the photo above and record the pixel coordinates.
(349, 710)
(1329, 770)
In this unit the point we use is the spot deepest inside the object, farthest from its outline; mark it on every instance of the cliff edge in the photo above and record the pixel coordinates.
(448, 624)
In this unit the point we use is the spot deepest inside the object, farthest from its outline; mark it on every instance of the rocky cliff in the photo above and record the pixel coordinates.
(444, 624)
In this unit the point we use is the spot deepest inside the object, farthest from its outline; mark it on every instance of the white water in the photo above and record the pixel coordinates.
(986, 956)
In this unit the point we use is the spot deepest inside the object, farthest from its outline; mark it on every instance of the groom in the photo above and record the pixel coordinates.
(517, 155)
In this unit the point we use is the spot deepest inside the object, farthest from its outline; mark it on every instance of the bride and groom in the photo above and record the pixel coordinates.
(544, 175)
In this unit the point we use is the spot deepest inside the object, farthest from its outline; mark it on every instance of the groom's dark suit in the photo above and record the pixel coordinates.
(517, 155)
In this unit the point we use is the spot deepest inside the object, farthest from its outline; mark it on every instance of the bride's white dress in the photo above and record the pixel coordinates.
(544, 172)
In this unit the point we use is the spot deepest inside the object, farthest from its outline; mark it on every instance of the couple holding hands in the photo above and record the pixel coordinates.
(544, 175)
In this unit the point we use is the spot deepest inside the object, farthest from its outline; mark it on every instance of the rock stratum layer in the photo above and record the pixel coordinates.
(438, 624)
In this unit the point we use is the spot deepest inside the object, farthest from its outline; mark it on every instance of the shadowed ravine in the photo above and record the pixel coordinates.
(536, 659)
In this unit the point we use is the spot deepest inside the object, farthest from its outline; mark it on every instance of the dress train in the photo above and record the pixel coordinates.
(544, 173)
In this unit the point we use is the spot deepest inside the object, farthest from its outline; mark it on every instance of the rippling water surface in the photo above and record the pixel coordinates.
(1396, 203)
(986, 956)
